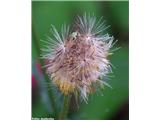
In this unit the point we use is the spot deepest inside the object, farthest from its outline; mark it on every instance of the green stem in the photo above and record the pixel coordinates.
(51, 94)
(65, 107)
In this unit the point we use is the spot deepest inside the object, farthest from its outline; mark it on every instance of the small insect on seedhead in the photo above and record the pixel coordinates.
(74, 35)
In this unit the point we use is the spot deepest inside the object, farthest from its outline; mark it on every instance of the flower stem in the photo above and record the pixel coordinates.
(65, 107)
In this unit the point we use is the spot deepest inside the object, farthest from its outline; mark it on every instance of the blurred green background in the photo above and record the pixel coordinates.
(109, 104)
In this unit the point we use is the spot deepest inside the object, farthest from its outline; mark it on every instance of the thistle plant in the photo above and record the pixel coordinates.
(77, 58)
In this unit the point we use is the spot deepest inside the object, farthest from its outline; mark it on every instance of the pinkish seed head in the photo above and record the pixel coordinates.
(77, 60)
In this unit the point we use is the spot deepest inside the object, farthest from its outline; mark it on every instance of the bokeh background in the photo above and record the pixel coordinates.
(109, 104)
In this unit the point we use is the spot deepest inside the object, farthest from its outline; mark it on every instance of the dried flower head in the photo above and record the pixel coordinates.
(77, 60)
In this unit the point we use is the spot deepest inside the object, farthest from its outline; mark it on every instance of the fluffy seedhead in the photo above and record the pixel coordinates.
(77, 60)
